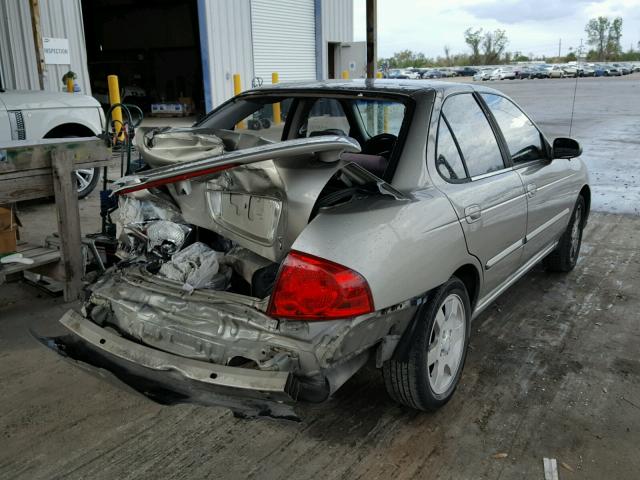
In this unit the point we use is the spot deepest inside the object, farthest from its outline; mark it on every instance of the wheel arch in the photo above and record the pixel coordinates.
(585, 193)
(470, 276)
(70, 130)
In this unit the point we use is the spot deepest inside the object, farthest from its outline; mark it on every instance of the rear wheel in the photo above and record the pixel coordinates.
(565, 256)
(428, 374)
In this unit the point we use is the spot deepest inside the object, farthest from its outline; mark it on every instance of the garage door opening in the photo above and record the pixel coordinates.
(152, 45)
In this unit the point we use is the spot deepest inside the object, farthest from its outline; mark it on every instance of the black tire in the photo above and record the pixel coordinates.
(407, 374)
(565, 256)
(92, 184)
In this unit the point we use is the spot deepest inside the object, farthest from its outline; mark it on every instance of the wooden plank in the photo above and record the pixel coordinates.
(40, 256)
(550, 468)
(68, 222)
(24, 156)
(20, 189)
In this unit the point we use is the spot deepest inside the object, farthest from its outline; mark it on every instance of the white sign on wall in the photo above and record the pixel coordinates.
(56, 51)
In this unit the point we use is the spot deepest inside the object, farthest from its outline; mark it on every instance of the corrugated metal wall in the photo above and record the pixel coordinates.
(225, 34)
(227, 43)
(284, 39)
(59, 19)
(337, 26)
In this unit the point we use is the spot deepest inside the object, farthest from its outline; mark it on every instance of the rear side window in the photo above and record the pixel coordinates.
(522, 137)
(473, 133)
(448, 160)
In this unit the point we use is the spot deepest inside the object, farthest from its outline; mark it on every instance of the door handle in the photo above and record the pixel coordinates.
(473, 213)
(531, 189)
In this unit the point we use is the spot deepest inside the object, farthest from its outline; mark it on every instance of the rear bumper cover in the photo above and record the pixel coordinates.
(170, 379)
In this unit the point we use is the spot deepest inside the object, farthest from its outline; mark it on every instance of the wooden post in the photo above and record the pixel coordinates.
(34, 7)
(64, 188)
(372, 38)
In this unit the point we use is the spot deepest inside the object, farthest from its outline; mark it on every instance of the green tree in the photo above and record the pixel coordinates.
(614, 49)
(493, 45)
(604, 35)
(406, 58)
(473, 38)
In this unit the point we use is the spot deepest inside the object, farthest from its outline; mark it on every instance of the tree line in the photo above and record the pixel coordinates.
(490, 48)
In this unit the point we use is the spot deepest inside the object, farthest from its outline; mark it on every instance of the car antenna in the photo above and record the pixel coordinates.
(575, 88)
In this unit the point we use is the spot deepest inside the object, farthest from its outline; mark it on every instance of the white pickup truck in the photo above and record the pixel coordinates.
(33, 115)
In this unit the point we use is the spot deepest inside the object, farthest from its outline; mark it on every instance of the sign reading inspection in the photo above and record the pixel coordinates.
(56, 51)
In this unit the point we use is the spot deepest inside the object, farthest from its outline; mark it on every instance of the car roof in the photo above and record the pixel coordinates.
(378, 85)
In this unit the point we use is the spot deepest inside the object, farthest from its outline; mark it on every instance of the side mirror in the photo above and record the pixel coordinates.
(566, 148)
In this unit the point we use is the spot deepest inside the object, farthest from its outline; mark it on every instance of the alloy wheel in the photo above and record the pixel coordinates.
(446, 344)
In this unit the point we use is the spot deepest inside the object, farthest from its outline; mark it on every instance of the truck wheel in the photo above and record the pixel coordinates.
(565, 256)
(86, 180)
(428, 373)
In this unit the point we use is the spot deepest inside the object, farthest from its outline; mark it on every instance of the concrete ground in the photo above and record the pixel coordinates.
(553, 369)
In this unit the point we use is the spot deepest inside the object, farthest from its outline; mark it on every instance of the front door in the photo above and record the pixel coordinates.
(550, 194)
(487, 196)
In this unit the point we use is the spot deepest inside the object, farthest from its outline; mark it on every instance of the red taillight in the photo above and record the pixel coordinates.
(311, 288)
(175, 178)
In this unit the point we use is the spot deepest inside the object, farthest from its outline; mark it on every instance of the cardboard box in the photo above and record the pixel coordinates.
(8, 230)
(8, 242)
(7, 218)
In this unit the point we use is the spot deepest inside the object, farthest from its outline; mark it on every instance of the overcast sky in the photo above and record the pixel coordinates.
(531, 25)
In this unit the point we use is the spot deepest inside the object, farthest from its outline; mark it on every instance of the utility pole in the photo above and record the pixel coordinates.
(559, 48)
(34, 7)
(372, 37)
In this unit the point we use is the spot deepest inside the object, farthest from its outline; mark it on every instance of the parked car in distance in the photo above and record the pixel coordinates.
(570, 71)
(611, 71)
(556, 71)
(447, 72)
(503, 73)
(540, 72)
(524, 72)
(432, 73)
(585, 70)
(348, 249)
(483, 74)
(396, 73)
(622, 68)
(34, 115)
(466, 72)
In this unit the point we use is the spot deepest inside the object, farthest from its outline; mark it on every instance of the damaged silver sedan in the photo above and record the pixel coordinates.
(369, 222)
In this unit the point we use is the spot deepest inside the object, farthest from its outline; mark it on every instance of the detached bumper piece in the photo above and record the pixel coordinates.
(170, 379)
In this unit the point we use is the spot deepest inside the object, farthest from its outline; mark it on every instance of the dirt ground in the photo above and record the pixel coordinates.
(553, 369)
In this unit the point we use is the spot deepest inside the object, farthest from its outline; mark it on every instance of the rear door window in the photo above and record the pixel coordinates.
(473, 132)
(523, 138)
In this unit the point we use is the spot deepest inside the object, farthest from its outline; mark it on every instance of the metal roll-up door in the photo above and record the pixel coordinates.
(284, 39)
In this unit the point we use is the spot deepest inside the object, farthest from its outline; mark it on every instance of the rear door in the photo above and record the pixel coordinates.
(486, 193)
(550, 193)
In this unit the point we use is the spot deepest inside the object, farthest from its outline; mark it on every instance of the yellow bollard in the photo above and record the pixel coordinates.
(345, 74)
(276, 106)
(237, 88)
(378, 74)
(114, 98)
(70, 84)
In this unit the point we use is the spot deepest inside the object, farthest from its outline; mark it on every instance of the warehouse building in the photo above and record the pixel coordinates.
(166, 49)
